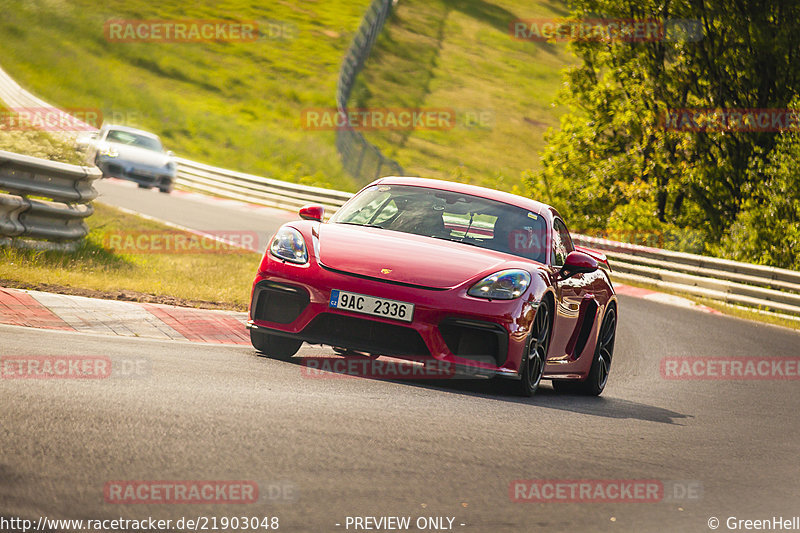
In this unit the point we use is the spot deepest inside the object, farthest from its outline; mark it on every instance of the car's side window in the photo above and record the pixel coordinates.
(565, 236)
(562, 242)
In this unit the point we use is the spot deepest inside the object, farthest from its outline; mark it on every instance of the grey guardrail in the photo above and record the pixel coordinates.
(255, 189)
(44, 200)
(723, 280)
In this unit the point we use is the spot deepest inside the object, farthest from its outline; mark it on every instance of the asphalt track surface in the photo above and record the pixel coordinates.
(365, 447)
(194, 211)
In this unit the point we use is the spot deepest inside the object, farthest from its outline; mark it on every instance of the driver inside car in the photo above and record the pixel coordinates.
(419, 218)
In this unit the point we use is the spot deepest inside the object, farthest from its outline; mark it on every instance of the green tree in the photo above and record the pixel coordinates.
(614, 164)
(767, 227)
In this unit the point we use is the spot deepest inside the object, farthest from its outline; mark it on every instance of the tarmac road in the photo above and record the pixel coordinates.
(195, 211)
(339, 447)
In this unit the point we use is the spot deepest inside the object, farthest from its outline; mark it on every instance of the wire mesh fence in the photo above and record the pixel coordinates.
(360, 158)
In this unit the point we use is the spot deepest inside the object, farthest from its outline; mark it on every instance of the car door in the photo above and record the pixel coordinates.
(570, 298)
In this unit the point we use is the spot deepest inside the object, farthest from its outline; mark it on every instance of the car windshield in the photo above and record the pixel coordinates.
(133, 139)
(448, 215)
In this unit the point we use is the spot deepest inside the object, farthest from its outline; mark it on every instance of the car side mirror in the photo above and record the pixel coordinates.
(578, 263)
(170, 153)
(312, 212)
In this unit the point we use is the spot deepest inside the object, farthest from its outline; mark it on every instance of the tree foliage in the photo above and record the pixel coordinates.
(613, 163)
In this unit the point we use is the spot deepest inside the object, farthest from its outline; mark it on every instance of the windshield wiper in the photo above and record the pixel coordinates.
(364, 225)
(458, 240)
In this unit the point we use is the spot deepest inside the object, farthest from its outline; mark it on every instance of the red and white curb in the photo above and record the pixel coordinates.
(661, 297)
(110, 317)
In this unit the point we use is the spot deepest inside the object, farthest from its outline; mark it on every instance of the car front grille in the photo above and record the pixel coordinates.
(115, 169)
(144, 178)
(364, 335)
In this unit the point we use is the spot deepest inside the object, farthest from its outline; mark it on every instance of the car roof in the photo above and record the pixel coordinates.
(539, 208)
(129, 130)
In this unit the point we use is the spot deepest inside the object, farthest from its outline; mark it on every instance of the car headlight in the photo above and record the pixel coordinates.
(288, 244)
(503, 285)
(108, 152)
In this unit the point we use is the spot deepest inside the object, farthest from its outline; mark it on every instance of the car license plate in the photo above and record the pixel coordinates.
(369, 305)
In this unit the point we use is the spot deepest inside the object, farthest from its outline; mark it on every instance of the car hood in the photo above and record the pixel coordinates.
(403, 257)
(142, 156)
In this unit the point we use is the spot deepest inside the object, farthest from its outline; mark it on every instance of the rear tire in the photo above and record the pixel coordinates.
(596, 381)
(535, 357)
(273, 345)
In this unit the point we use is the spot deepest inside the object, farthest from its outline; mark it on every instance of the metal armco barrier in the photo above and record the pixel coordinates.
(723, 280)
(255, 189)
(43, 200)
(361, 159)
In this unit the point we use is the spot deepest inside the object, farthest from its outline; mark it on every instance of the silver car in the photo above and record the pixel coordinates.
(131, 154)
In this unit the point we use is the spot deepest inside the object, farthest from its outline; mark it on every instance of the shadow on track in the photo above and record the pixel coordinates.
(499, 389)
(546, 397)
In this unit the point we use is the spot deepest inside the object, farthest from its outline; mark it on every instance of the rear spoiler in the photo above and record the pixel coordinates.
(597, 255)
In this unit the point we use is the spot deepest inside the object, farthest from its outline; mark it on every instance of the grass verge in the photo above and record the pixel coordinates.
(236, 103)
(461, 55)
(204, 280)
(37, 143)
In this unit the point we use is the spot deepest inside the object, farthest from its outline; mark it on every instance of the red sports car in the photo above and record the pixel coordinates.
(442, 272)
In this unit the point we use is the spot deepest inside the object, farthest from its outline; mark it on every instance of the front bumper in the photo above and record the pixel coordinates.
(448, 325)
(147, 176)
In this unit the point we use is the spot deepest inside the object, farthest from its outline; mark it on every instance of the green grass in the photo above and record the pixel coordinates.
(234, 104)
(37, 144)
(238, 104)
(214, 280)
(460, 55)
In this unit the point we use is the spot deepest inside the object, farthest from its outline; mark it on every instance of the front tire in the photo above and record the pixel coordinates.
(273, 345)
(535, 357)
